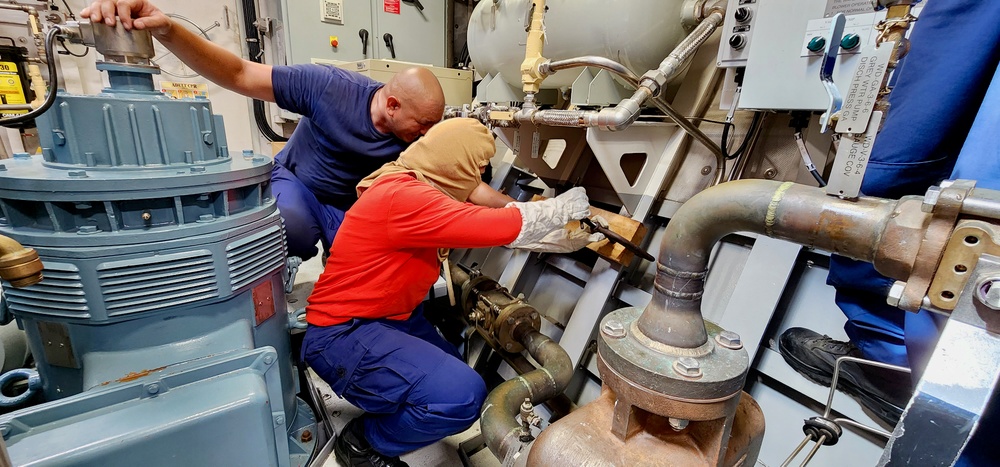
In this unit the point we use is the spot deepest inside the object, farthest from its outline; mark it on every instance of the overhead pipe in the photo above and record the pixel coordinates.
(550, 67)
(19, 265)
(648, 87)
(886, 233)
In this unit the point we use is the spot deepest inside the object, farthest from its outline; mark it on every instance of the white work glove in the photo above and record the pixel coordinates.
(540, 218)
(563, 240)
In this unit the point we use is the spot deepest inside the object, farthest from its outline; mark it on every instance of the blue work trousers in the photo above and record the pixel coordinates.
(943, 124)
(412, 384)
(307, 220)
(938, 92)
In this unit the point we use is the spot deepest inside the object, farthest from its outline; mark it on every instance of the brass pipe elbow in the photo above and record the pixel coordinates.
(19, 265)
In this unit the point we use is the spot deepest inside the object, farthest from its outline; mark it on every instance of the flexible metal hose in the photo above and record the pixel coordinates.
(50, 97)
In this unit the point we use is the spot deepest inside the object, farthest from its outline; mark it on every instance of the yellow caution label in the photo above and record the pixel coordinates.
(11, 91)
(178, 90)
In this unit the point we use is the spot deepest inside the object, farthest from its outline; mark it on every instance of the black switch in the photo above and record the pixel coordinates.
(743, 14)
(388, 43)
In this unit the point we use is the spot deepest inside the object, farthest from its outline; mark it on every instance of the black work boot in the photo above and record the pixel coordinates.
(883, 392)
(353, 450)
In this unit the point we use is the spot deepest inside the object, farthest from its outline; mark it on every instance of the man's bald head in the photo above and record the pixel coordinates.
(410, 103)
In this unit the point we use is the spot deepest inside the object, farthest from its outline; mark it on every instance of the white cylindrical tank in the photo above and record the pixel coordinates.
(636, 33)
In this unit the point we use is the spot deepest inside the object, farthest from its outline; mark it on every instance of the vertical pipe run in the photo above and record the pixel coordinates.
(531, 79)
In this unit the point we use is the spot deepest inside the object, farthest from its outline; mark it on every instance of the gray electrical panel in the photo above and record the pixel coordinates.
(334, 30)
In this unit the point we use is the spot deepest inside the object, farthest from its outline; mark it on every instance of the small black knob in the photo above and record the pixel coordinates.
(743, 14)
(364, 41)
(388, 43)
(737, 41)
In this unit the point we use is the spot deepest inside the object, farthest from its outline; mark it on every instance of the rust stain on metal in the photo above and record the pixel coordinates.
(134, 375)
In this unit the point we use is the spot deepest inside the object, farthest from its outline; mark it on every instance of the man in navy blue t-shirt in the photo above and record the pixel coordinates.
(351, 124)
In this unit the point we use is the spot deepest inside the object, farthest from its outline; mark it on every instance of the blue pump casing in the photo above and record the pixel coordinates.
(160, 329)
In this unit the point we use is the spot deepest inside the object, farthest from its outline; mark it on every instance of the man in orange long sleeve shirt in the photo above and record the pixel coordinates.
(367, 336)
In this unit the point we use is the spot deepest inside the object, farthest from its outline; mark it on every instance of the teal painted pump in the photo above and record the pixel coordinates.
(159, 329)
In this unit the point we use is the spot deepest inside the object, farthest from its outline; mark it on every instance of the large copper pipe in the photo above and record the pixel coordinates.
(498, 423)
(884, 232)
(19, 265)
(501, 408)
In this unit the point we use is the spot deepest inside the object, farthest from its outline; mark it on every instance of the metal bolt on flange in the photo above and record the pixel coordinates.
(280, 420)
(268, 360)
(895, 293)
(988, 293)
(931, 199)
(687, 367)
(613, 328)
(678, 424)
(306, 436)
(153, 388)
(729, 340)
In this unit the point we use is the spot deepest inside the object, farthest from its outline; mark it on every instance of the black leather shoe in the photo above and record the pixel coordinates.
(353, 450)
(883, 392)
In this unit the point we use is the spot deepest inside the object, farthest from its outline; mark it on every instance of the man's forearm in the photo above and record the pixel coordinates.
(217, 64)
(485, 195)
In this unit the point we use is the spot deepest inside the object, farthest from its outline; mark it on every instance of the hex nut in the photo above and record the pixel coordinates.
(895, 293)
(687, 367)
(931, 199)
(613, 329)
(729, 340)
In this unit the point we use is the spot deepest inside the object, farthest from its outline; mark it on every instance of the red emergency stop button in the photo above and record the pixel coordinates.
(334, 41)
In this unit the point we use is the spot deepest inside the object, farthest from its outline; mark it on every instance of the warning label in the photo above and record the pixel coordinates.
(391, 6)
(184, 90)
(11, 91)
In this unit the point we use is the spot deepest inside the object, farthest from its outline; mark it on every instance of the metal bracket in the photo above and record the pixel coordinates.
(946, 203)
(826, 70)
(956, 386)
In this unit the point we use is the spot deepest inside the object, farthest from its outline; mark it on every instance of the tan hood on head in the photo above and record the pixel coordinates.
(448, 158)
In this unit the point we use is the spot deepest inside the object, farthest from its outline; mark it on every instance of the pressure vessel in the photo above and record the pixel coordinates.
(636, 33)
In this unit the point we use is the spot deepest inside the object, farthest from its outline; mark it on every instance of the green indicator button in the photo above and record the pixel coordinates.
(850, 41)
(816, 44)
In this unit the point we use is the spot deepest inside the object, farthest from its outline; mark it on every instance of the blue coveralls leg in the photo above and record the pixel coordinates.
(937, 93)
(412, 384)
(306, 219)
(941, 91)
(980, 161)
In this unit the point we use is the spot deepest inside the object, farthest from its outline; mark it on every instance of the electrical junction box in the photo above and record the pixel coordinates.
(782, 71)
(457, 84)
(365, 29)
(737, 31)
(332, 11)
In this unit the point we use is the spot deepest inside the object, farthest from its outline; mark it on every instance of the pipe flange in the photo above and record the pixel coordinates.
(510, 319)
(670, 371)
(21, 268)
(472, 288)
